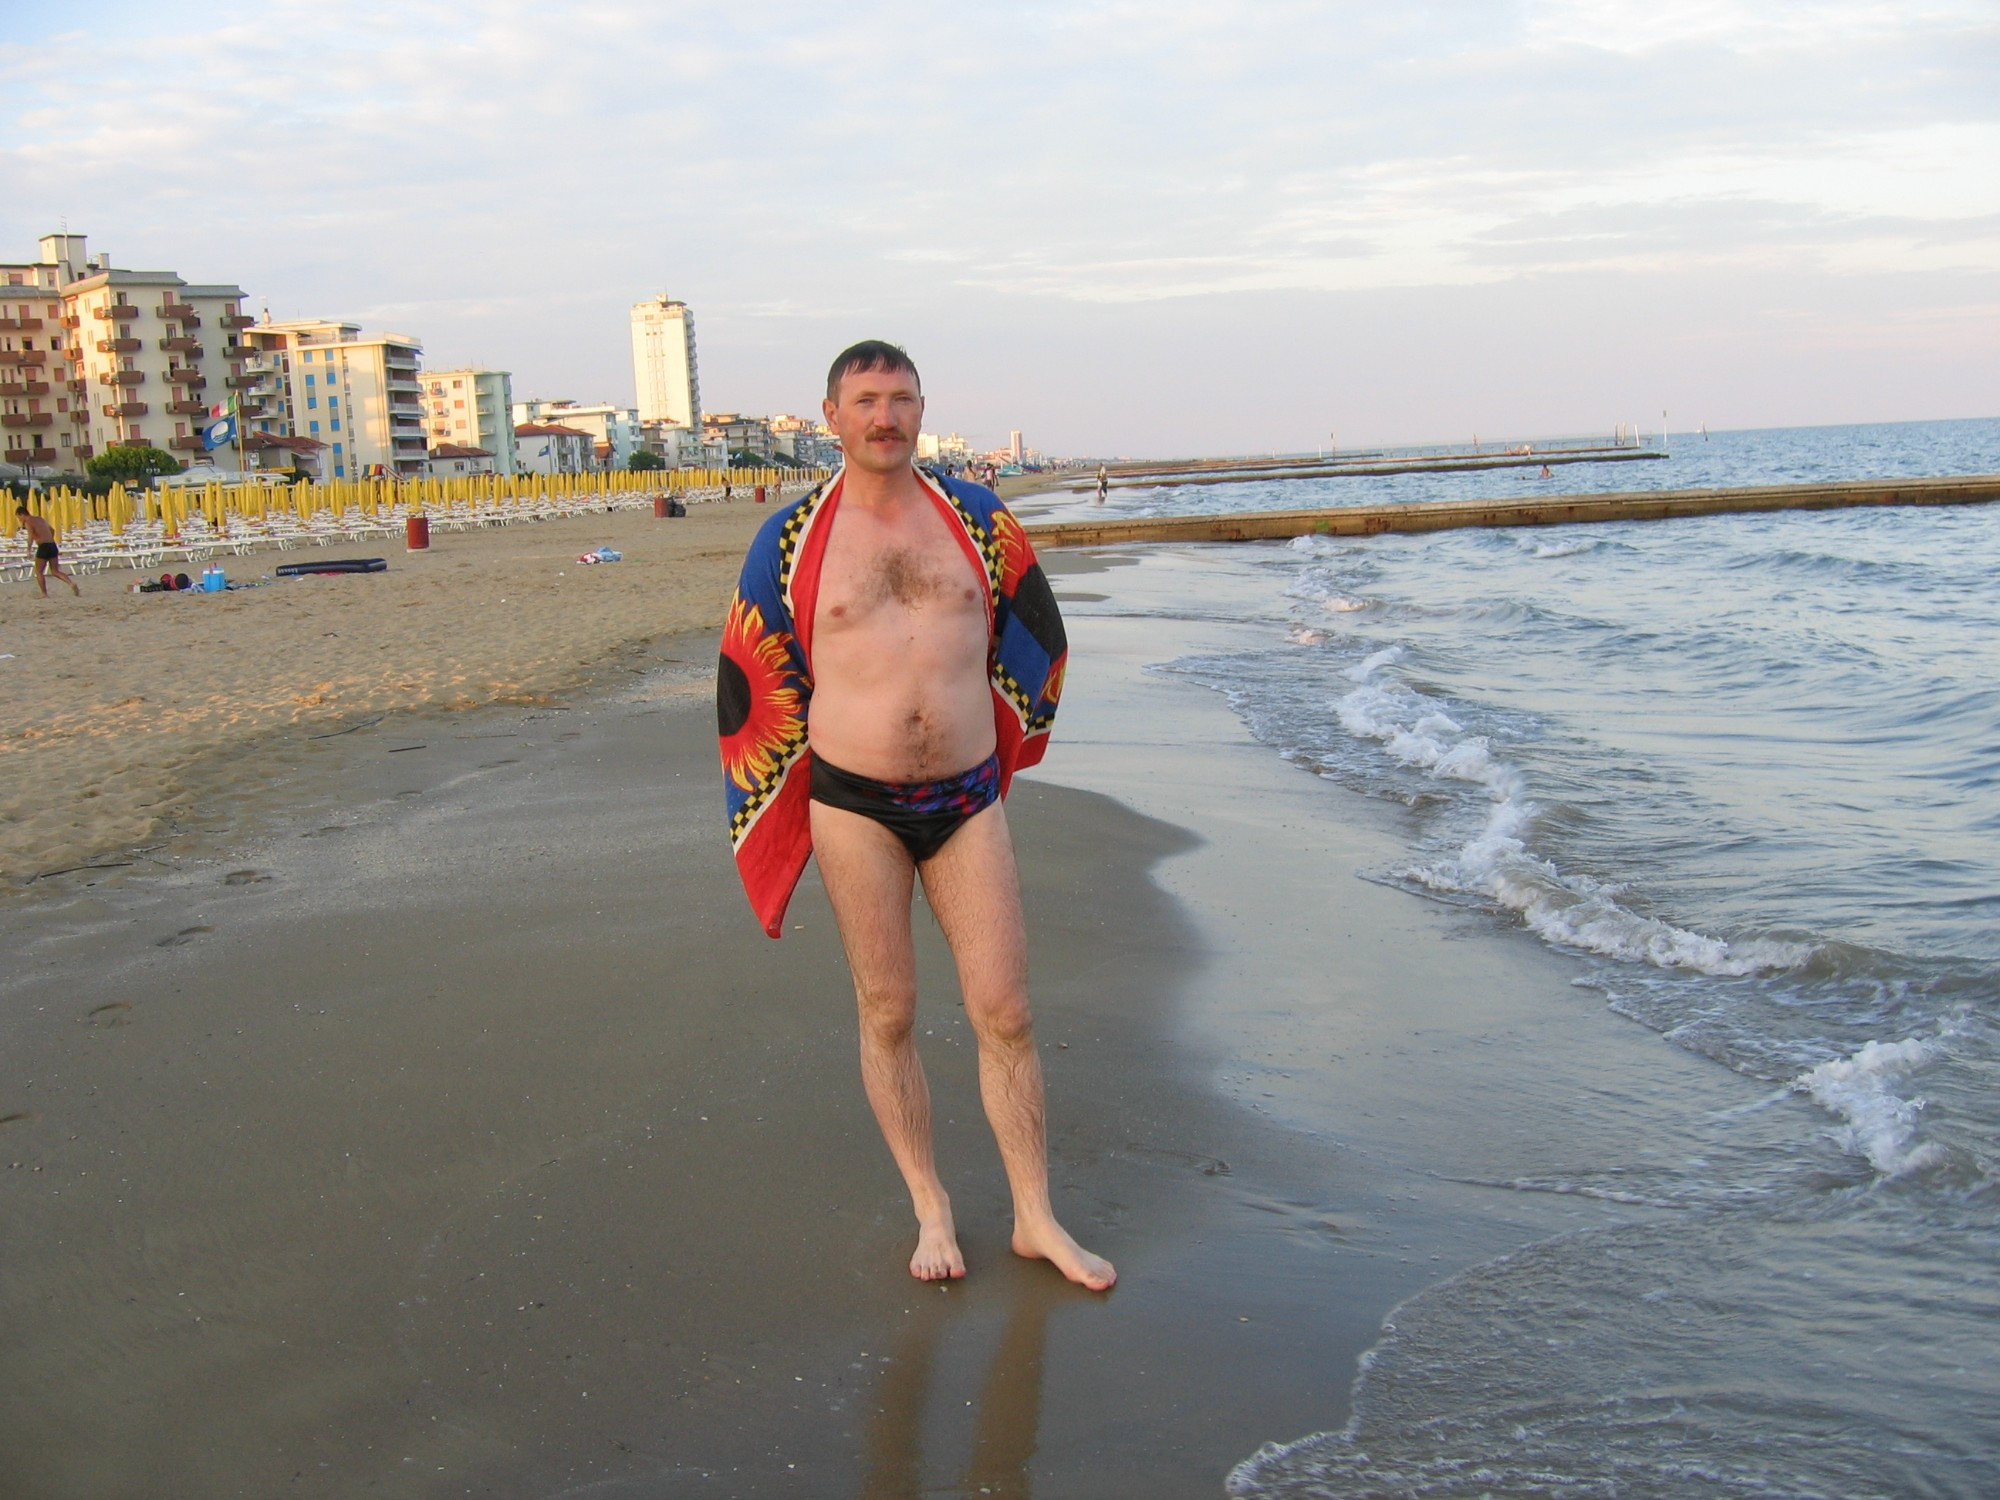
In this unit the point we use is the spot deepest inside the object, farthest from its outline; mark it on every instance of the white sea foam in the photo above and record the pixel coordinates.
(1862, 1090)
(1563, 549)
(1340, 604)
(1572, 910)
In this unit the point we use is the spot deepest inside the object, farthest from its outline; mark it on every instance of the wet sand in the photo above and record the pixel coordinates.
(429, 1117)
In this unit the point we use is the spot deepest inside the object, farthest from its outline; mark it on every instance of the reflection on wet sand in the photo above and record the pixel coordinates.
(1009, 1404)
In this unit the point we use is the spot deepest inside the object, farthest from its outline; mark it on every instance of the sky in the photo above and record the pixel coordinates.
(1121, 227)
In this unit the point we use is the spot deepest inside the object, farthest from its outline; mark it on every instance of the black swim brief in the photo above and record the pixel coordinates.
(922, 814)
(47, 551)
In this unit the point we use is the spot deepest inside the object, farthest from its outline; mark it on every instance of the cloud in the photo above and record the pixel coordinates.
(510, 176)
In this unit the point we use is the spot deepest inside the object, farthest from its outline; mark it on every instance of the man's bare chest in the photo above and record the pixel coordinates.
(870, 577)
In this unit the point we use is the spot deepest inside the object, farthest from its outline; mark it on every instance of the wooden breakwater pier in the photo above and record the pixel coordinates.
(1353, 466)
(1553, 510)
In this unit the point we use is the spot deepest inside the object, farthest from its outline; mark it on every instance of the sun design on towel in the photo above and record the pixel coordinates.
(1015, 553)
(756, 707)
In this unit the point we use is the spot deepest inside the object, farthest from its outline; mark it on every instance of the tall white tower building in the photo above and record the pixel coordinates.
(663, 362)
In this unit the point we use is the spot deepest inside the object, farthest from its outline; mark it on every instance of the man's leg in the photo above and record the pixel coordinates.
(976, 892)
(869, 878)
(42, 575)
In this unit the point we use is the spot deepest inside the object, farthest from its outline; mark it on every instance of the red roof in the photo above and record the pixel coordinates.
(547, 429)
(458, 450)
(256, 442)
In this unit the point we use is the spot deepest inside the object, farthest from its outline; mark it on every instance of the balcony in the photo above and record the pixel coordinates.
(118, 310)
(237, 320)
(120, 346)
(78, 386)
(24, 387)
(240, 382)
(122, 377)
(180, 312)
(125, 409)
(181, 406)
(83, 451)
(193, 379)
(23, 357)
(35, 455)
(71, 320)
(180, 345)
(26, 419)
(188, 443)
(19, 325)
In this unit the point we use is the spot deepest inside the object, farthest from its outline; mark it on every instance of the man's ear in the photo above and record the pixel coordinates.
(827, 410)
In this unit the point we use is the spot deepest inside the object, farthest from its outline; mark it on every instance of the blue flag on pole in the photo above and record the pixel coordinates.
(219, 433)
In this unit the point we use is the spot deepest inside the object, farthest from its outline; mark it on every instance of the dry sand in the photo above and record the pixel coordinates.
(122, 709)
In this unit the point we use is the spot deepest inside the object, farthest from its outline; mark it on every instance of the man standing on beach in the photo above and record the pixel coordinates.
(893, 654)
(42, 537)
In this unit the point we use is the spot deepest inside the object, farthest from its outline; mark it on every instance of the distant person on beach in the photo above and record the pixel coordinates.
(878, 727)
(1103, 483)
(42, 537)
(1547, 472)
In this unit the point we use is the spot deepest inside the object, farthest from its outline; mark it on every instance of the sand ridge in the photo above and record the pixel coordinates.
(111, 699)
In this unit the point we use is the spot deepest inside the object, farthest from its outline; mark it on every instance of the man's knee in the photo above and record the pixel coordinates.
(1001, 1016)
(887, 1015)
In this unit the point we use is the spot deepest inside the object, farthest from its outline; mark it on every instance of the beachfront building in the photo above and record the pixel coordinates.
(454, 460)
(362, 397)
(663, 362)
(739, 434)
(288, 457)
(551, 448)
(678, 445)
(614, 430)
(949, 449)
(92, 356)
(471, 409)
(804, 441)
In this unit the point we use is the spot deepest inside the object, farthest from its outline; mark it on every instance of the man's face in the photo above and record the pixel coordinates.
(877, 418)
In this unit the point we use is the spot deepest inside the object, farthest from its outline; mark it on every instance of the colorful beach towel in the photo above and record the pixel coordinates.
(763, 683)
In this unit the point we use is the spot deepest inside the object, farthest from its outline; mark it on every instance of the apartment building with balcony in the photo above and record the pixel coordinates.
(736, 433)
(471, 409)
(663, 362)
(93, 356)
(551, 448)
(806, 442)
(362, 397)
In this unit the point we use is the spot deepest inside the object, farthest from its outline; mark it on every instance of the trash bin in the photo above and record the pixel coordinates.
(660, 511)
(417, 530)
(760, 494)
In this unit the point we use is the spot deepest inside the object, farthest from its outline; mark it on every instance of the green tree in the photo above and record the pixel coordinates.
(645, 458)
(129, 465)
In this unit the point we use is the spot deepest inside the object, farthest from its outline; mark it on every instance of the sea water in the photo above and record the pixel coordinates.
(1745, 772)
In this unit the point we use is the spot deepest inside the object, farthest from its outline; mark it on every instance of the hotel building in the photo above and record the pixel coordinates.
(663, 362)
(92, 357)
(362, 397)
(471, 409)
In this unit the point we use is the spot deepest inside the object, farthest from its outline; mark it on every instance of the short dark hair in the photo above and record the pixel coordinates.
(869, 354)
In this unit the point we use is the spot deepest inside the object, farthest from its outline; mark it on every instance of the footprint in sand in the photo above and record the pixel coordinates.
(111, 1013)
(19, 1117)
(313, 833)
(246, 877)
(185, 935)
(494, 765)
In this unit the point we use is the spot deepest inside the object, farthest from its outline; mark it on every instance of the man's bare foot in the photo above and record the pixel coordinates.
(1049, 1241)
(937, 1257)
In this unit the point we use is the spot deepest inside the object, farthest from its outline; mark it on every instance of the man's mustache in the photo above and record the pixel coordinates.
(876, 433)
